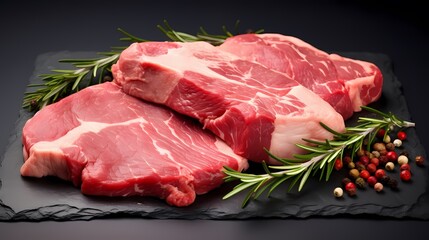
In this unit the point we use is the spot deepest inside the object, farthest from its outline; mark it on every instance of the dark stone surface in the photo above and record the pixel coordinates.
(48, 198)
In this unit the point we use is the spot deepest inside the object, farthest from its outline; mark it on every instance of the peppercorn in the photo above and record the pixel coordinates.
(351, 189)
(383, 160)
(375, 161)
(360, 166)
(390, 146)
(364, 160)
(386, 139)
(380, 173)
(360, 152)
(371, 168)
(420, 160)
(405, 166)
(381, 132)
(397, 142)
(364, 174)
(360, 183)
(372, 180)
(338, 164)
(347, 159)
(376, 153)
(345, 181)
(405, 175)
(405, 153)
(401, 135)
(389, 166)
(378, 187)
(379, 146)
(351, 165)
(393, 184)
(354, 173)
(392, 156)
(338, 192)
(402, 159)
(385, 179)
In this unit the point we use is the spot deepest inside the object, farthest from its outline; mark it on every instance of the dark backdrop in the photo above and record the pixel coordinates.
(398, 28)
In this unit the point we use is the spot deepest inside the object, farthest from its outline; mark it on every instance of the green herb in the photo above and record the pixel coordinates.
(320, 157)
(202, 35)
(62, 83)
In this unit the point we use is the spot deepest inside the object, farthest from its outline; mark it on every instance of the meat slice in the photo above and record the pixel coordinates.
(246, 104)
(112, 144)
(345, 83)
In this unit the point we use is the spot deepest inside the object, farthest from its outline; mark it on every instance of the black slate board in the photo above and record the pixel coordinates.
(31, 199)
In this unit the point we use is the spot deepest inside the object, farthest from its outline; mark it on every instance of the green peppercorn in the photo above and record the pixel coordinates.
(379, 146)
(360, 183)
(354, 173)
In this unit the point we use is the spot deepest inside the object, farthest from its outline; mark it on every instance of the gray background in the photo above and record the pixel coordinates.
(398, 28)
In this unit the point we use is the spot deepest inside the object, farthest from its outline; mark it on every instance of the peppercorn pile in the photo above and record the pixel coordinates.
(375, 166)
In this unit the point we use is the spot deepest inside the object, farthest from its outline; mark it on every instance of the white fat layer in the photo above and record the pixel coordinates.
(291, 129)
(74, 134)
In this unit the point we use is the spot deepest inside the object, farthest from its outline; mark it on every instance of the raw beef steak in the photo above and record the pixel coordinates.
(246, 104)
(346, 84)
(112, 144)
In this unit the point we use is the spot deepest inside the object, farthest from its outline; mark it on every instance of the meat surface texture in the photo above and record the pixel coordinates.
(112, 144)
(344, 83)
(249, 106)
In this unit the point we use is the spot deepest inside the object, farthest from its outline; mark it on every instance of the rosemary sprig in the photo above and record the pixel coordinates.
(320, 157)
(202, 34)
(61, 83)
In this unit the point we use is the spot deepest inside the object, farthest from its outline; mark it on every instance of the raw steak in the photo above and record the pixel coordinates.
(246, 104)
(112, 144)
(346, 84)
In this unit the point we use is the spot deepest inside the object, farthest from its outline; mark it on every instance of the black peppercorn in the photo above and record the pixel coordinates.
(405, 153)
(345, 181)
(385, 179)
(393, 184)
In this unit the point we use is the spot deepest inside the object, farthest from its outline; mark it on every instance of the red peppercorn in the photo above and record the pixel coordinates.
(380, 173)
(338, 164)
(375, 161)
(383, 160)
(420, 160)
(372, 180)
(350, 188)
(381, 133)
(405, 175)
(364, 174)
(392, 156)
(364, 160)
(405, 166)
(401, 135)
(371, 168)
(347, 159)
